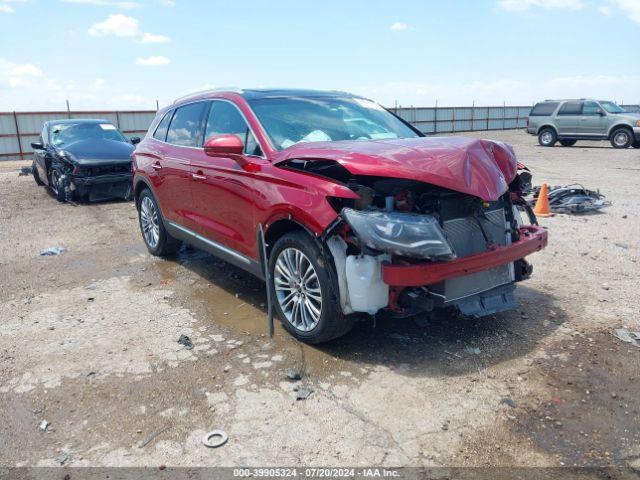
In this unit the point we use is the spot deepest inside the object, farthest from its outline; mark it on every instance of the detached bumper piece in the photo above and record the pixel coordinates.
(532, 239)
(103, 187)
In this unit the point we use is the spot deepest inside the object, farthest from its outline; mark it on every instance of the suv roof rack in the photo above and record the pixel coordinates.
(205, 91)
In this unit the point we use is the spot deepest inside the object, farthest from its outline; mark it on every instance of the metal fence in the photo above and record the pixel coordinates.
(19, 129)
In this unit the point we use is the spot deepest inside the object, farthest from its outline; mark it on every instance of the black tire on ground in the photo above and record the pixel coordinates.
(158, 241)
(636, 144)
(547, 137)
(568, 143)
(332, 323)
(36, 176)
(621, 138)
(57, 184)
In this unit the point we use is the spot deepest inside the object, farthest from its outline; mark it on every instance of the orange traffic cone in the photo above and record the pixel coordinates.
(542, 204)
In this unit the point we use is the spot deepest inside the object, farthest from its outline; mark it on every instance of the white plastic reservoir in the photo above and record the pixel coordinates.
(367, 292)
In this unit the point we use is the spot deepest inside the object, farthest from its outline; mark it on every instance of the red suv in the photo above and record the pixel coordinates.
(354, 209)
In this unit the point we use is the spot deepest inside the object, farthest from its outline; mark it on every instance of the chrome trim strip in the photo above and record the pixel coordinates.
(213, 244)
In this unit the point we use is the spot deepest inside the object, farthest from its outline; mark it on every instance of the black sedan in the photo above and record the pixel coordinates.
(87, 159)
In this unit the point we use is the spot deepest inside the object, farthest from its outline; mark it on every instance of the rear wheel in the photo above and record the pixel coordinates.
(568, 143)
(156, 237)
(636, 144)
(304, 293)
(547, 137)
(621, 138)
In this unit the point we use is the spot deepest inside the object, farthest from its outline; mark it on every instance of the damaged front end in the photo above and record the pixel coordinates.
(92, 180)
(412, 247)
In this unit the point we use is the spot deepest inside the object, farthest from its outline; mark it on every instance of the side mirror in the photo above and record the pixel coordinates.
(37, 145)
(134, 140)
(600, 112)
(229, 146)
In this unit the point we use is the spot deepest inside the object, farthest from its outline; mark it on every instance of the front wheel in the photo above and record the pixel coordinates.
(547, 137)
(156, 237)
(304, 292)
(58, 184)
(621, 138)
(568, 143)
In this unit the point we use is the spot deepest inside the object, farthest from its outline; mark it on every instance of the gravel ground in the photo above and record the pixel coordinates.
(88, 343)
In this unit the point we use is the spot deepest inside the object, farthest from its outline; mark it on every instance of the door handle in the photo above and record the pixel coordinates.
(198, 175)
(156, 166)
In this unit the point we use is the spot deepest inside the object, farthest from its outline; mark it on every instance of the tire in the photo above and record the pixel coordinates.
(36, 175)
(568, 143)
(621, 138)
(155, 236)
(547, 137)
(636, 144)
(309, 309)
(58, 184)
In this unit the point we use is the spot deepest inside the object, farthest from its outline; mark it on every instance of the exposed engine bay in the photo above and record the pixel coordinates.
(404, 222)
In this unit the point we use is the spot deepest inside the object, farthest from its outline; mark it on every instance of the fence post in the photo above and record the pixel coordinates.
(118, 119)
(453, 123)
(504, 113)
(473, 111)
(488, 110)
(68, 110)
(15, 120)
(435, 118)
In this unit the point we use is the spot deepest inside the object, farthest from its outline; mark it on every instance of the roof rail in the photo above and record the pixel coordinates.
(208, 90)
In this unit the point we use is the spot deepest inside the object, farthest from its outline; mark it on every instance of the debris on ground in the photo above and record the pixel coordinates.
(52, 251)
(629, 337)
(24, 171)
(572, 199)
(186, 342)
(44, 425)
(472, 350)
(508, 401)
(62, 459)
(293, 374)
(303, 393)
(215, 439)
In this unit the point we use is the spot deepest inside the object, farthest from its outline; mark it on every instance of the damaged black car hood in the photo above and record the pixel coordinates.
(98, 151)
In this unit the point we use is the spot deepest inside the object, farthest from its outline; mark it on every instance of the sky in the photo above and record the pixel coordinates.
(126, 54)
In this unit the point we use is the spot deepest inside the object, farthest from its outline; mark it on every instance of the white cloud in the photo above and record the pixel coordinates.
(118, 25)
(4, 8)
(522, 5)
(605, 10)
(16, 75)
(399, 26)
(125, 5)
(153, 61)
(153, 38)
(168, 3)
(631, 8)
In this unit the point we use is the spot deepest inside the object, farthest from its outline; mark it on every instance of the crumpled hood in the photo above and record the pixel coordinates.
(482, 168)
(99, 151)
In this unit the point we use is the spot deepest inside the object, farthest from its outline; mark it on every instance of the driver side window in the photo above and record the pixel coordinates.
(224, 119)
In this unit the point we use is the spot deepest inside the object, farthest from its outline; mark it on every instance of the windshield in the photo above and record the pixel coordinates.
(323, 119)
(612, 107)
(67, 133)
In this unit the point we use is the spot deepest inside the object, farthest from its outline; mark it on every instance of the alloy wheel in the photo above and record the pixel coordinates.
(55, 181)
(546, 138)
(621, 139)
(149, 222)
(298, 289)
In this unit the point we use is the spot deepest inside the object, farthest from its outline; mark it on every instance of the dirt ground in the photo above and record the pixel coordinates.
(88, 343)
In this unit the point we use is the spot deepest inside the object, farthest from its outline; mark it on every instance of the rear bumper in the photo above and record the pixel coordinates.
(636, 133)
(532, 239)
(101, 179)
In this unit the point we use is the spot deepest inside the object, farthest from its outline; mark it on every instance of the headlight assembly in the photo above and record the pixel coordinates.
(405, 234)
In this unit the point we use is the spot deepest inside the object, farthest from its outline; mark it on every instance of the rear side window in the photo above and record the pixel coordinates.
(163, 126)
(543, 109)
(185, 128)
(225, 118)
(571, 108)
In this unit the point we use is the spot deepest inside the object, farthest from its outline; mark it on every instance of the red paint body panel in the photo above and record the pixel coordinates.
(481, 168)
(532, 239)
